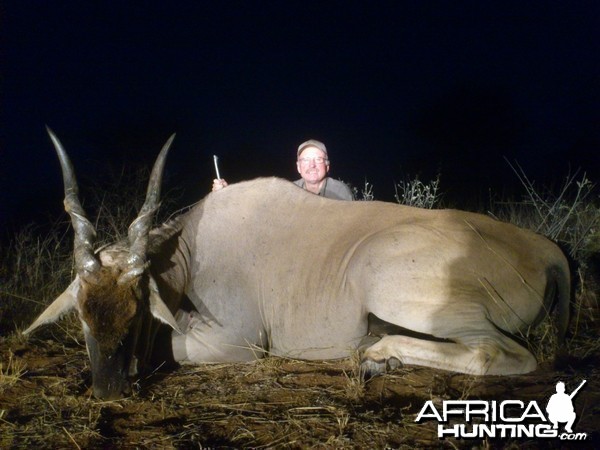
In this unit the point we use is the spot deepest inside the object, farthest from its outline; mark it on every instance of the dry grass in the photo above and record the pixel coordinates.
(567, 216)
(34, 267)
(11, 372)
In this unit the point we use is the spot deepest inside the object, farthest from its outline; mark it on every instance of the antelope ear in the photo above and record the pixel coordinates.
(59, 307)
(159, 309)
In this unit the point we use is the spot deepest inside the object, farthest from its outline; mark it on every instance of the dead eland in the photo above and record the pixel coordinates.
(265, 268)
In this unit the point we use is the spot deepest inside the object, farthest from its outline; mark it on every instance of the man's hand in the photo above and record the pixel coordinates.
(218, 184)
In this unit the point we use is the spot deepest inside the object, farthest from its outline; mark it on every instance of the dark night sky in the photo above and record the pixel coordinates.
(393, 88)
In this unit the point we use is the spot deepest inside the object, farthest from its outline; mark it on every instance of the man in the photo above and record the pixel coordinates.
(313, 166)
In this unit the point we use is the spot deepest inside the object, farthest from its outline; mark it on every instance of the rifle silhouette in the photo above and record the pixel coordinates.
(572, 394)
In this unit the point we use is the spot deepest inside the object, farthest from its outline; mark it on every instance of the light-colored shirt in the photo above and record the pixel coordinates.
(331, 188)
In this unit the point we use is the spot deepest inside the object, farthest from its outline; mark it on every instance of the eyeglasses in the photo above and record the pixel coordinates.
(317, 160)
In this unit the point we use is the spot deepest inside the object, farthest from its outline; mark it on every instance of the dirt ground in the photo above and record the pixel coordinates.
(45, 402)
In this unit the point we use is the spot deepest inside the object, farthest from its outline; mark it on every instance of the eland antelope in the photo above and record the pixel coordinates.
(265, 268)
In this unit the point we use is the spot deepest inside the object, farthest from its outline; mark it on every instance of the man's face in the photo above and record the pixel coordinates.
(312, 165)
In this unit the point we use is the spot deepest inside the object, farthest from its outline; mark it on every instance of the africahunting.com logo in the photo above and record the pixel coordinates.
(477, 419)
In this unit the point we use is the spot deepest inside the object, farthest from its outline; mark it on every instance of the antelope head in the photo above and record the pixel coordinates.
(114, 294)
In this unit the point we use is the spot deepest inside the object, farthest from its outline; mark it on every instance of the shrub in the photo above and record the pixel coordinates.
(416, 193)
(365, 193)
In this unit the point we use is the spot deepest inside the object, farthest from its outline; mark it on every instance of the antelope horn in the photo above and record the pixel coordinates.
(140, 227)
(85, 234)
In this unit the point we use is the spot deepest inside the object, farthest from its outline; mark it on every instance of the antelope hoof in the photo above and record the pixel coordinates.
(370, 368)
